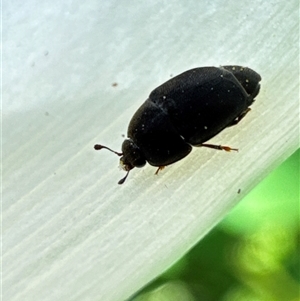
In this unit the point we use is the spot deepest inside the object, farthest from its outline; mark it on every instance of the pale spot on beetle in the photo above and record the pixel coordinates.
(205, 127)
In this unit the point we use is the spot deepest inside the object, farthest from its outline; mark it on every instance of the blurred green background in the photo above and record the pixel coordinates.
(252, 255)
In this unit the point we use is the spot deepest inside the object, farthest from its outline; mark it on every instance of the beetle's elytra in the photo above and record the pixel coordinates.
(186, 111)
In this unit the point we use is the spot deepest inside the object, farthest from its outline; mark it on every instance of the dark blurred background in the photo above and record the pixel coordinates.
(252, 255)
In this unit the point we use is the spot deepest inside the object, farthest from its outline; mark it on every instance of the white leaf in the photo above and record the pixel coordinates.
(69, 231)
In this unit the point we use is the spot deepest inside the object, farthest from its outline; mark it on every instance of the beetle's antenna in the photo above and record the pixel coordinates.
(123, 180)
(99, 146)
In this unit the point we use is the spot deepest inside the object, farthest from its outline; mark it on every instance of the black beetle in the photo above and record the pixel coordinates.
(186, 111)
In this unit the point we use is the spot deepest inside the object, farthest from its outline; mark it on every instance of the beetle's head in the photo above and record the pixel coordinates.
(131, 156)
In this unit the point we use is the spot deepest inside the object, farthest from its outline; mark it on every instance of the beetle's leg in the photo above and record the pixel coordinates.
(159, 168)
(239, 118)
(219, 147)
